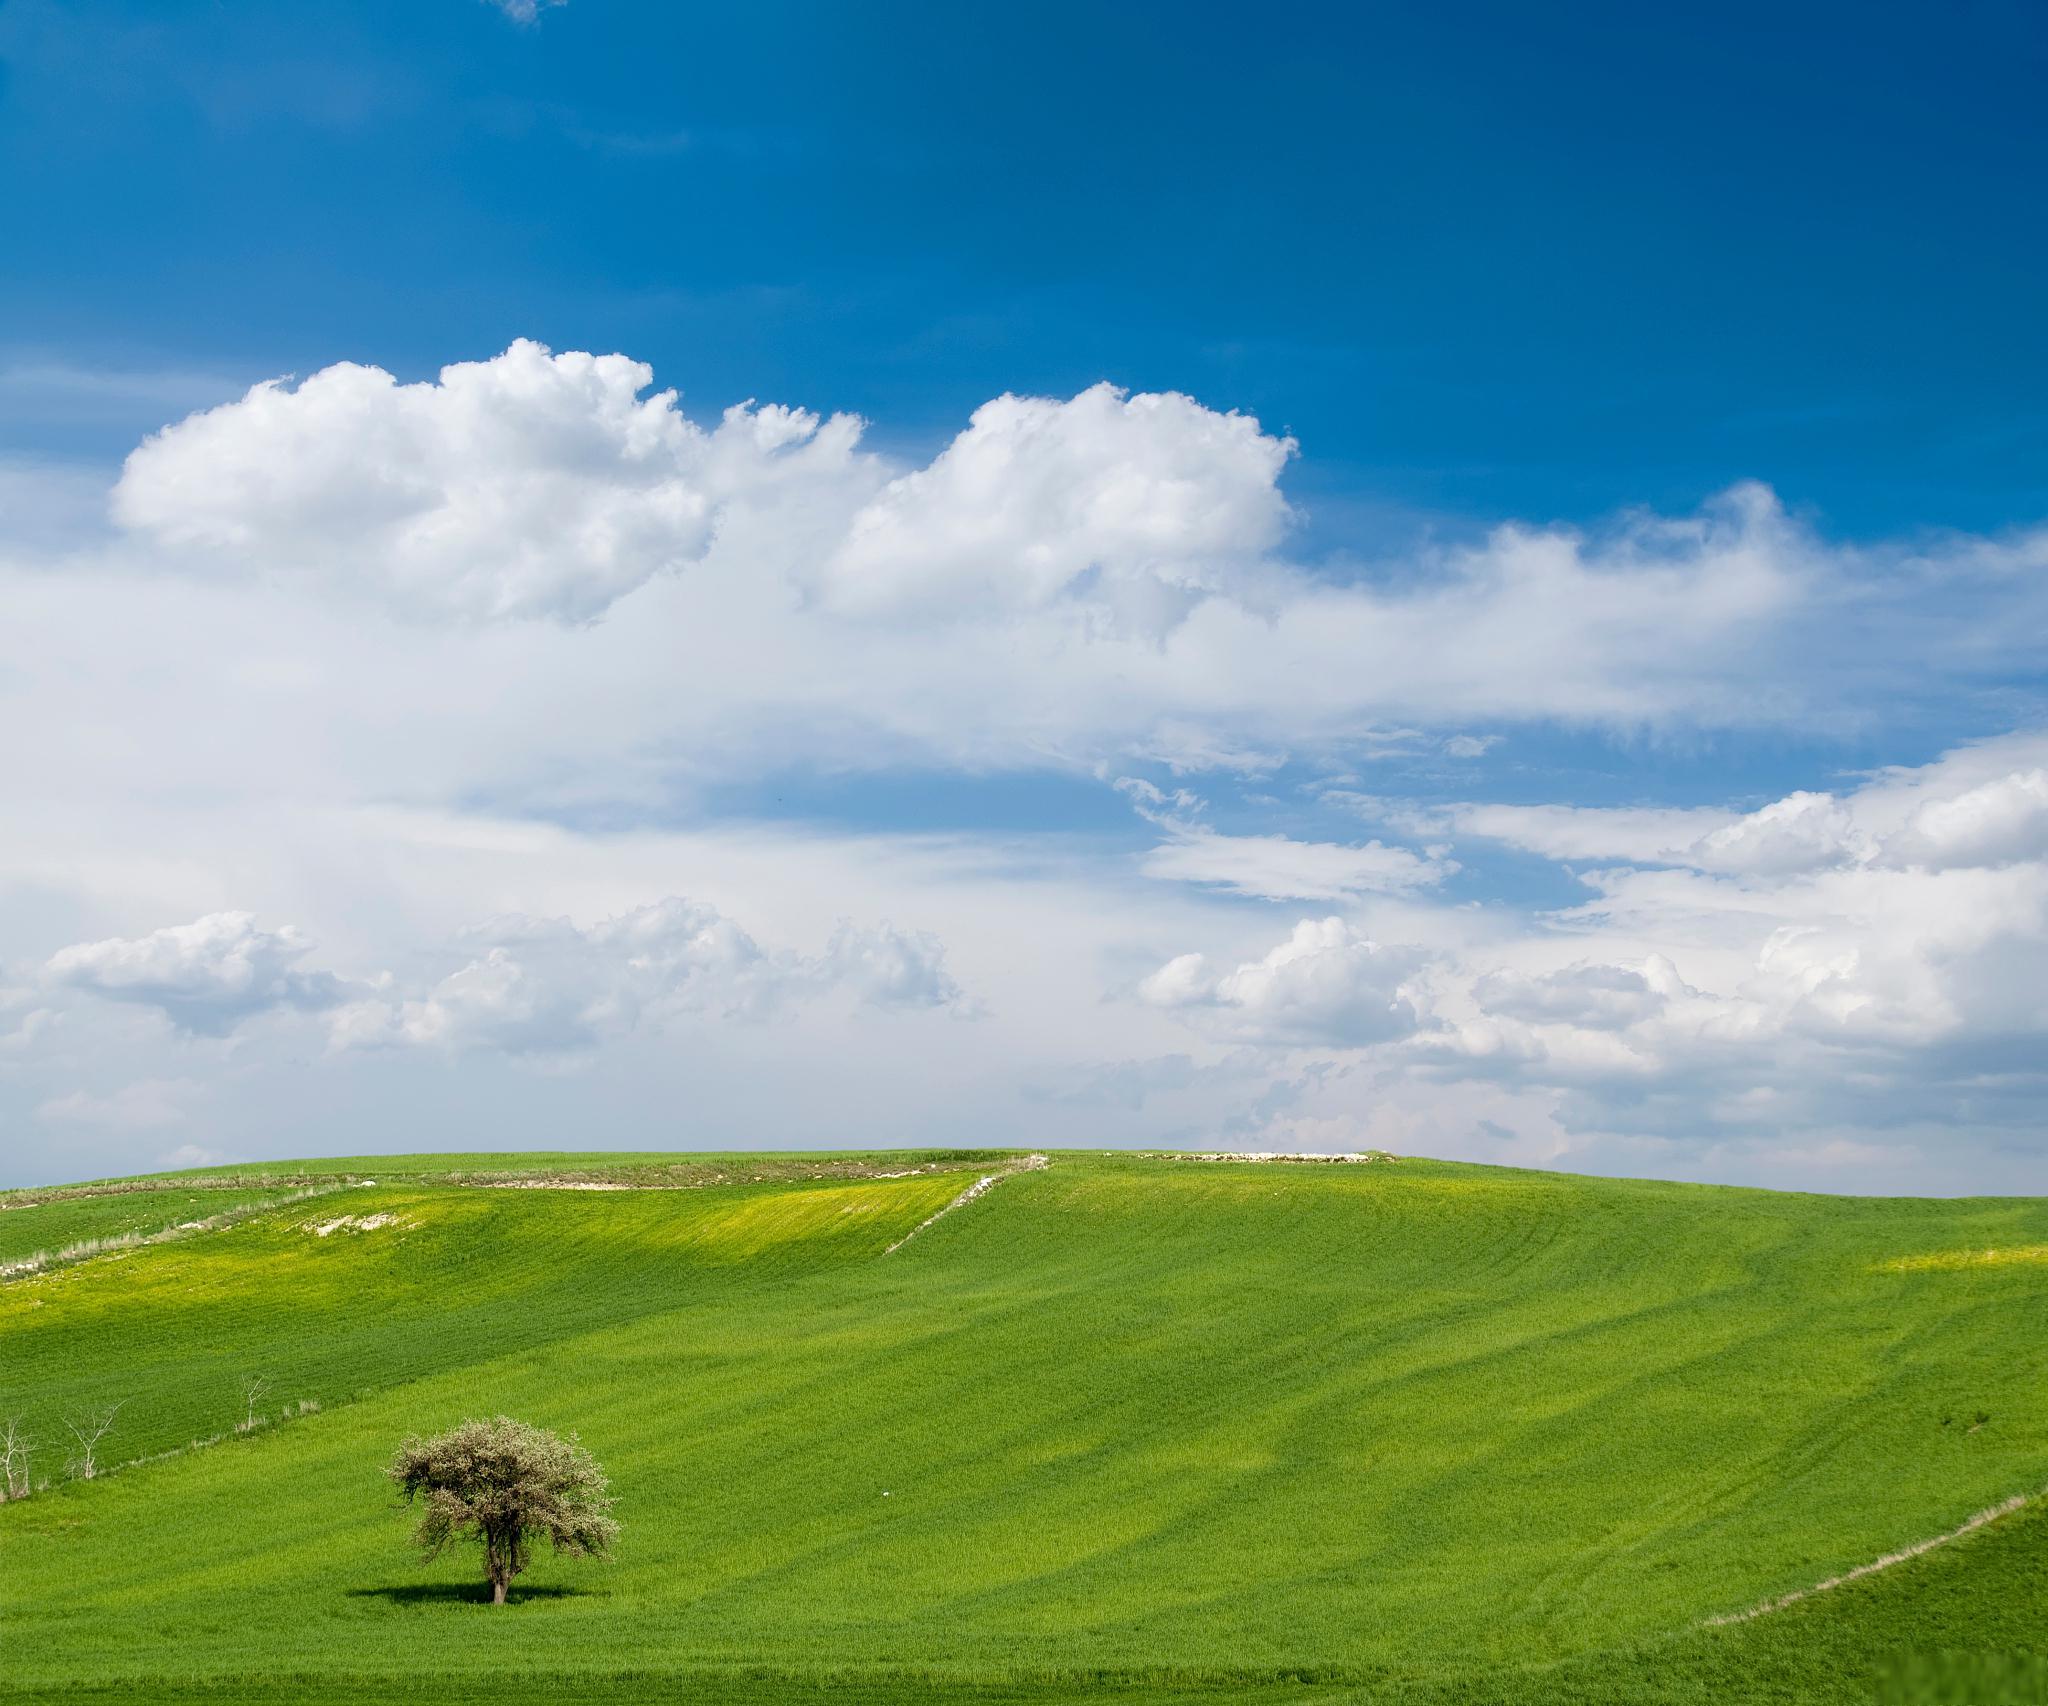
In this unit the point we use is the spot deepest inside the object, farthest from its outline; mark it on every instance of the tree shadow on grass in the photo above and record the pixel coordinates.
(463, 1593)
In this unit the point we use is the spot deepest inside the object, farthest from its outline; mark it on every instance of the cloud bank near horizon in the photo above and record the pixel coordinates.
(378, 740)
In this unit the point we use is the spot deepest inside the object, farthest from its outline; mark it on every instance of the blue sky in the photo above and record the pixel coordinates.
(1484, 263)
(1648, 436)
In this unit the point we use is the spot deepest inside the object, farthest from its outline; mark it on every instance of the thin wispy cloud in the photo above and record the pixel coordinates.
(526, 13)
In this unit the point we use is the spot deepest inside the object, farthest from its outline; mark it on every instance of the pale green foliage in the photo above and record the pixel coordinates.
(503, 1483)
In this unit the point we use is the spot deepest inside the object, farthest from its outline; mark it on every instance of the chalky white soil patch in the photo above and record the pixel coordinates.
(987, 1182)
(2017, 1502)
(121, 1242)
(353, 1223)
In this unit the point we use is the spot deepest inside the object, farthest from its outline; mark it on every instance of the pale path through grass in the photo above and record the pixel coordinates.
(981, 1187)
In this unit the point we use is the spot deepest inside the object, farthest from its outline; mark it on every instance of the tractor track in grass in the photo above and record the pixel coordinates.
(981, 1187)
(1983, 1519)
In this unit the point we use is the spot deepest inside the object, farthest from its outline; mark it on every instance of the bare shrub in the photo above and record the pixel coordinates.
(254, 1387)
(15, 1446)
(88, 1428)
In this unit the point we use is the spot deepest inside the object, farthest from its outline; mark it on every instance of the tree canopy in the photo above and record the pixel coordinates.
(504, 1483)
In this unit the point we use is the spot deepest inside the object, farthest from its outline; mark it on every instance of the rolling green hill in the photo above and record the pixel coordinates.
(1147, 1428)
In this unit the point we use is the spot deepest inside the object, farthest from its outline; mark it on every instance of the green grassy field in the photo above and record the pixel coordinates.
(1127, 1427)
(50, 1226)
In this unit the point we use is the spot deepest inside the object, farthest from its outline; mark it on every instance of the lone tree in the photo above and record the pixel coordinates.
(503, 1483)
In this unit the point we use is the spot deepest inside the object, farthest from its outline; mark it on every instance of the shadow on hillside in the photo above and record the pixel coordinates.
(461, 1593)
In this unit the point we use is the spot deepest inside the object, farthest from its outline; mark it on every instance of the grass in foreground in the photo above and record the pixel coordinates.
(1407, 1432)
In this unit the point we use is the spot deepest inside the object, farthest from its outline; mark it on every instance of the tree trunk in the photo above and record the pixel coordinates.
(497, 1565)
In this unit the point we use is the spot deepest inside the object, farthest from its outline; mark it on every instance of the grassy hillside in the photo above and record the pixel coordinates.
(54, 1227)
(1153, 1427)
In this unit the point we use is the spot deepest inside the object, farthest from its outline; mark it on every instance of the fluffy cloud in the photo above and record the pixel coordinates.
(1802, 832)
(1998, 822)
(206, 977)
(226, 713)
(529, 485)
(1147, 503)
(545, 485)
(525, 986)
(1862, 961)
(1596, 997)
(892, 968)
(1876, 953)
(1108, 571)
(551, 987)
(1326, 984)
(1936, 819)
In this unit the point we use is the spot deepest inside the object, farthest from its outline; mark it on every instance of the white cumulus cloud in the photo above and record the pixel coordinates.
(548, 986)
(1144, 503)
(1998, 822)
(1862, 958)
(888, 967)
(1802, 832)
(1325, 984)
(225, 711)
(529, 485)
(206, 977)
(1598, 997)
